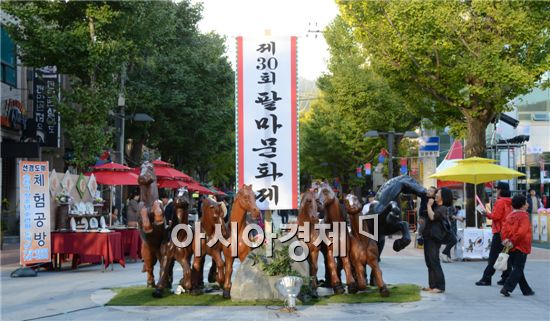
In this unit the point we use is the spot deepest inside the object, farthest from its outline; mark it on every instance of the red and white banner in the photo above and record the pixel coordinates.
(267, 124)
(34, 206)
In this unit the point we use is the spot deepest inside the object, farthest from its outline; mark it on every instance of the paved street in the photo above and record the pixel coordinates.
(80, 294)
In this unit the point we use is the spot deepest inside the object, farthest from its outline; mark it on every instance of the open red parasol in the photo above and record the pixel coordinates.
(167, 170)
(113, 174)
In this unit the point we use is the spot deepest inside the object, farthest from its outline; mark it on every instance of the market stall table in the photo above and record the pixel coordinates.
(131, 242)
(89, 247)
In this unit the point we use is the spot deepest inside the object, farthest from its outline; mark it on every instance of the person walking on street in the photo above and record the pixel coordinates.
(454, 216)
(534, 203)
(517, 235)
(503, 206)
(436, 278)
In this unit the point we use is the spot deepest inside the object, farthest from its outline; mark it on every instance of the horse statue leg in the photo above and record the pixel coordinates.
(334, 279)
(218, 263)
(313, 262)
(228, 272)
(148, 263)
(167, 254)
(183, 258)
(372, 261)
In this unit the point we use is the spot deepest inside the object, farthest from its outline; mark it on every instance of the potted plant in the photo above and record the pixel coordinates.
(63, 198)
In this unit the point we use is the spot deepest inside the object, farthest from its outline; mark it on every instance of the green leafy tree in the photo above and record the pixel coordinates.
(84, 40)
(354, 100)
(465, 60)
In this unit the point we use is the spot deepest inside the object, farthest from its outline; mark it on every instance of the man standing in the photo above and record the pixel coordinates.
(168, 206)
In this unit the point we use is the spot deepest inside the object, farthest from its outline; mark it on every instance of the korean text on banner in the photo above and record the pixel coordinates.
(34, 206)
(267, 141)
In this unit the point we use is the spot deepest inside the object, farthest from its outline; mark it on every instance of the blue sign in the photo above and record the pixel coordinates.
(430, 147)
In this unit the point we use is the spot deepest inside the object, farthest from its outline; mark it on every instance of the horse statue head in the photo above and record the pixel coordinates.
(213, 213)
(182, 202)
(326, 195)
(353, 206)
(246, 200)
(309, 206)
(147, 181)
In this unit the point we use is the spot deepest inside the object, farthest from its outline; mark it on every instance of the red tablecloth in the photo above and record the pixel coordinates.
(90, 246)
(131, 241)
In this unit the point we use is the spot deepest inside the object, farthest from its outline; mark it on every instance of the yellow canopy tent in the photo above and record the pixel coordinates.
(476, 170)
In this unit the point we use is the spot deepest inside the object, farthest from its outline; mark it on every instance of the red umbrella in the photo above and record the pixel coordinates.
(113, 174)
(196, 187)
(167, 170)
(193, 185)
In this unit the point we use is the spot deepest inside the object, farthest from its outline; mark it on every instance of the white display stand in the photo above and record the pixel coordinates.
(473, 243)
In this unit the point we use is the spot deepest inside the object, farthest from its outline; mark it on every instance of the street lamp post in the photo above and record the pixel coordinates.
(390, 139)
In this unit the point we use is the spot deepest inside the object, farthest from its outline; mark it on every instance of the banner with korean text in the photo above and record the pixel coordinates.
(34, 206)
(267, 124)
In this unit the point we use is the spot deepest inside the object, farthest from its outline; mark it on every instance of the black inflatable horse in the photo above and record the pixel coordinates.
(389, 219)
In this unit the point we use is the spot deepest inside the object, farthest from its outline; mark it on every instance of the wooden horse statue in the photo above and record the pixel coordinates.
(245, 201)
(363, 250)
(170, 251)
(330, 203)
(212, 214)
(150, 221)
(309, 212)
(390, 220)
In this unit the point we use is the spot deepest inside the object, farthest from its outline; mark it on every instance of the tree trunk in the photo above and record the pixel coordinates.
(475, 147)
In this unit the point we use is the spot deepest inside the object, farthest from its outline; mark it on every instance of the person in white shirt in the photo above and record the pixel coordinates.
(370, 198)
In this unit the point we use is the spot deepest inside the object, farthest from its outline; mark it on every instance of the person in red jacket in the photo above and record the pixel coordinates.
(503, 206)
(517, 235)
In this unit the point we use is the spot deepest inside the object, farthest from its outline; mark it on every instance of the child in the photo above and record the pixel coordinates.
(517, 235)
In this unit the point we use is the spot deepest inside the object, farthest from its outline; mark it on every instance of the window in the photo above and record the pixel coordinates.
(8, 59)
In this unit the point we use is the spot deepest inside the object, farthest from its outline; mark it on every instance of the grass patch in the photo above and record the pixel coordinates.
(141, 296)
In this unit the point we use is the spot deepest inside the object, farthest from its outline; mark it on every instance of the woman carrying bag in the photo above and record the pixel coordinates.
(435, 233)
(517, 235)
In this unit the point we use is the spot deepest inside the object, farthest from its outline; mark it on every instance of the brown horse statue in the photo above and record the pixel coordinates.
(363, 250)
(212, 214)
(333, 214)
(309, 213)
(245, 201)
(150, 221)
(170, 251)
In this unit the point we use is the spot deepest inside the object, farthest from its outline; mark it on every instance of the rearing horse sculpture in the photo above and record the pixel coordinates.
(330, 203)
(245, 201)
(170, 251)
(363, 250)
(150, 221)
(389, 220)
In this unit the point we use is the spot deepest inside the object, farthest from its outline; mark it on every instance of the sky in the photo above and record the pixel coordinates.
(283, 17)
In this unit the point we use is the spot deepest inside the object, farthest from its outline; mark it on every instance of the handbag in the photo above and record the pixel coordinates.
(442, 231)
(501, 263)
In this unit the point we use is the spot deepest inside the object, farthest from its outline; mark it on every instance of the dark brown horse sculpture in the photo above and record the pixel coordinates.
(245, 201)
(150, 221)
(309, 214)
(363, 250)
(212, 214)
(170, 251)
(333, 214)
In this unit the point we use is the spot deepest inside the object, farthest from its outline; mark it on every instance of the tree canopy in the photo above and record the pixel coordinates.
(154, 53)
(465, 60)
(354, 99)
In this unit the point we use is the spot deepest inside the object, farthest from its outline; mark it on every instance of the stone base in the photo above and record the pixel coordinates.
(251, 282)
